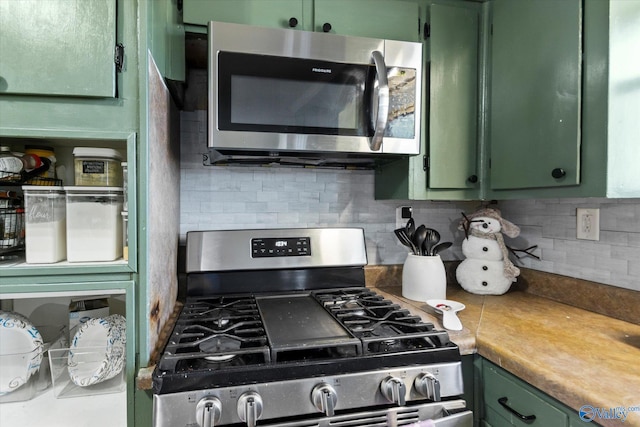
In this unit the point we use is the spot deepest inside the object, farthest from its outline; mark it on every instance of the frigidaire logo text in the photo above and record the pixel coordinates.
(321, 70)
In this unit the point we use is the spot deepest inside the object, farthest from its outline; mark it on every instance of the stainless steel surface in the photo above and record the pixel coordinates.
(225, 250)
(292, 398)
(451, 413)
(308, 45)
(382, 111)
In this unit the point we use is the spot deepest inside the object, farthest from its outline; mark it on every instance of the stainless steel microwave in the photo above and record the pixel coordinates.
(275, 91)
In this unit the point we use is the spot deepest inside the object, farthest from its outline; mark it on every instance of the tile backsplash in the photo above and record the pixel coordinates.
(229, 197)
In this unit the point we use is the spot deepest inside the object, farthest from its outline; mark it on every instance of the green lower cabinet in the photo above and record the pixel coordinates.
(509, 401)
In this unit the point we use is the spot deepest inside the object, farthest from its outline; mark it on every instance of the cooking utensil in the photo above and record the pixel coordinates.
(401, 234)
(418, 239)
(410, 227)
(432, 238)
(440, 247)
(448, 308)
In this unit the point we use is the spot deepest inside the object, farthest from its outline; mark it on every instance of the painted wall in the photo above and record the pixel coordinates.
(261, 197)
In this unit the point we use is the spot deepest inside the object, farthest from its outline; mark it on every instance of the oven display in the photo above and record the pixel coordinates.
(279, 247)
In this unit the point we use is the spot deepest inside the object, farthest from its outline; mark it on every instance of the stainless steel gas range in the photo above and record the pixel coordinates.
(278, 329)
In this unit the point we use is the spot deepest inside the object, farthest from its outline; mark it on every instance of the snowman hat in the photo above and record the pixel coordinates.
(508, 228)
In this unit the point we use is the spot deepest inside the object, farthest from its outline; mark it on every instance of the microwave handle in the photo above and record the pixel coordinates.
(382, 112)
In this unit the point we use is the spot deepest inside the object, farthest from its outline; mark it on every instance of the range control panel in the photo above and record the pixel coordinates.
(280, 247)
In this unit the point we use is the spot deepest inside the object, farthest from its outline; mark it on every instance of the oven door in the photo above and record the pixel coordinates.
(441, 414)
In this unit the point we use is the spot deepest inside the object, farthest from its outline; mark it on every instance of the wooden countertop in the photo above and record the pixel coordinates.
(576, 356)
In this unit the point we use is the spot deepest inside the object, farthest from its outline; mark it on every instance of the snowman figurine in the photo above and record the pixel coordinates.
(487, 269)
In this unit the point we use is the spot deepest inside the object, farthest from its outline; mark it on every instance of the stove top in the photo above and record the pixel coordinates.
(237, 339)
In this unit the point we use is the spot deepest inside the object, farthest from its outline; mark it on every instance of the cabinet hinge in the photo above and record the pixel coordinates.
(426, 30)
(119, 57)
(426, 163)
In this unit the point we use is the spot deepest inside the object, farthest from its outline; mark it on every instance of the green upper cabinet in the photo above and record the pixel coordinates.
(384, 19)
(535, 93)
(453, 97)
(58, 47)
(448, 165)
(272, 13)
(391, 19)
(564, 95)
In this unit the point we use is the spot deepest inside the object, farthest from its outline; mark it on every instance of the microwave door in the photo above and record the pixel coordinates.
(380, 102)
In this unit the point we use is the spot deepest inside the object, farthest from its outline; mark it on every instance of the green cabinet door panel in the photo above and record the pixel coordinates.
(384, 19)
(270, 13)
(58, 47)
(535, 93)
(507, 397)
(453, 97)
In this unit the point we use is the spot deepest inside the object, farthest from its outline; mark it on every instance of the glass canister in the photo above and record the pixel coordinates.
(45, 224)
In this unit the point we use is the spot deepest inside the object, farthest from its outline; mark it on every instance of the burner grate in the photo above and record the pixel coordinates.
(216, 332)
(382, 326)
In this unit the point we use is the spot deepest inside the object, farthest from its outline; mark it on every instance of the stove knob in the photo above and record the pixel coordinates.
(250, 408)
(324, 397)
(208, 411)
(394, 390)
(428, 386)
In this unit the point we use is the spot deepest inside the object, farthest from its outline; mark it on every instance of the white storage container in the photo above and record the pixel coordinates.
(97, 167)
(94, 224)
(45, 224)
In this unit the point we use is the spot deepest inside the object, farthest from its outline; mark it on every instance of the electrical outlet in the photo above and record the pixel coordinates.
(588, 224)
(403, 213)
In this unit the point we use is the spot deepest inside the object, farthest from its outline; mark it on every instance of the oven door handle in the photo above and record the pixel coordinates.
(379, 115)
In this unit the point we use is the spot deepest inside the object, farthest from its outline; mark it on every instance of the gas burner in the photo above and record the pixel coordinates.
(220, 344)
(220, 316)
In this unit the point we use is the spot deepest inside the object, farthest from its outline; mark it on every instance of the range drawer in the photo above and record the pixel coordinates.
(507, 400)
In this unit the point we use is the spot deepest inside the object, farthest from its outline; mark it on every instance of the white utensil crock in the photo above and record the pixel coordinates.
(424, 278)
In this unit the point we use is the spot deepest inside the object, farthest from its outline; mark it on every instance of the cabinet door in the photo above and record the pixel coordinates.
(535, 93)
(58, 47)
(272, 13)
(453, 97)
(506, 402)
(395, 20)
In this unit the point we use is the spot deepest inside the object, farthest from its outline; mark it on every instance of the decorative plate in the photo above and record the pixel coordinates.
(21, 349)
(97, 350)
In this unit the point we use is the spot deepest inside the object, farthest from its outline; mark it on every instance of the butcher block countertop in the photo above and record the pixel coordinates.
(578, 356)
